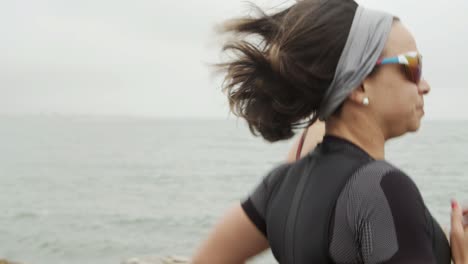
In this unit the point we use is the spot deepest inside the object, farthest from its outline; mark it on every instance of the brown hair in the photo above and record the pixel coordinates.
(277, 83)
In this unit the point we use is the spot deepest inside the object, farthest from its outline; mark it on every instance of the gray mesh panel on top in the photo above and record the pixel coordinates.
(363, 230)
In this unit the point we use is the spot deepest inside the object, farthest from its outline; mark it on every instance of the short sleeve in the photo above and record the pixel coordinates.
(255, 205)
(410, 219)
(380, 217)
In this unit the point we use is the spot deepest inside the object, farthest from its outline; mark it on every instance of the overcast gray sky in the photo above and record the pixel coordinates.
(148, 57)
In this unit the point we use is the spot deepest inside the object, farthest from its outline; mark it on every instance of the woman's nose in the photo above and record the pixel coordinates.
(424, 87)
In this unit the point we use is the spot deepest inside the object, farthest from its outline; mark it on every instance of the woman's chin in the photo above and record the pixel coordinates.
(415, 125)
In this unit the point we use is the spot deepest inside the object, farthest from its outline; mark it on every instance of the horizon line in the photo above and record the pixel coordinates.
(229, 117)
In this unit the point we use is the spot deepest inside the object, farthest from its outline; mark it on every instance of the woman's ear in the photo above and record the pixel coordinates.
(358, 95)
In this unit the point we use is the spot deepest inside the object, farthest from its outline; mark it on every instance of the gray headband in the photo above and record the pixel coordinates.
(365, 43)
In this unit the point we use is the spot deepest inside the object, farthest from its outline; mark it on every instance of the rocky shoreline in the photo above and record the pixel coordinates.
(136, 260)
(157, 260)
(4, 261)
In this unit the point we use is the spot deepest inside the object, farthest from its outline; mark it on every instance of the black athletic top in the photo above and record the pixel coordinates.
(338, 205)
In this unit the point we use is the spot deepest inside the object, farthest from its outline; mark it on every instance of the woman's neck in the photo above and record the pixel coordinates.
(360, 132)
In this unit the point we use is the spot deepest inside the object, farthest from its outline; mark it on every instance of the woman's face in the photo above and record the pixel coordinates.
(396, 102)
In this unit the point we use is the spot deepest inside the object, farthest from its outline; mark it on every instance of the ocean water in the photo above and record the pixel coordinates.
(102, 190)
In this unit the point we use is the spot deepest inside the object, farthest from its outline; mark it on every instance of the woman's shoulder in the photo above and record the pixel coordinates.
(381, 169)
(277, 174)
(283, 171)
(381, 178)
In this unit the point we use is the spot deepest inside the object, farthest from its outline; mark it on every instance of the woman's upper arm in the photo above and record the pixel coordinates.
(393, 227)
(410, 222)
(381, 217)
(233, 240)
(241, 232)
